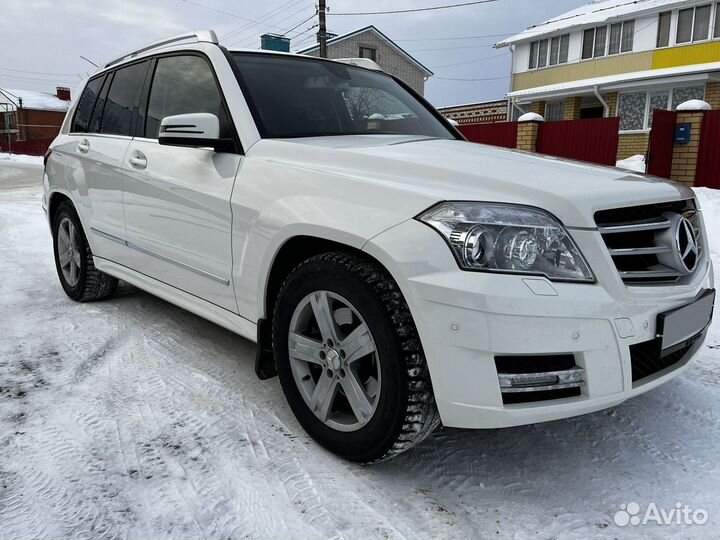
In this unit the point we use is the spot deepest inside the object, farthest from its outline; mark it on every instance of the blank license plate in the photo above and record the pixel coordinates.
(687, 321)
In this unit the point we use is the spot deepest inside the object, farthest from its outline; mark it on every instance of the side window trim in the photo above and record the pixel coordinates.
(110, 75)
(145, 102)
(142, 112)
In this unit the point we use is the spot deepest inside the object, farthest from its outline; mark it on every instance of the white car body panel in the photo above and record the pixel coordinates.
(179, 220)
(224, 218)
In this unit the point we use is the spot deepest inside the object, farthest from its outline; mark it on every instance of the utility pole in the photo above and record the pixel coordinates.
(322, 32)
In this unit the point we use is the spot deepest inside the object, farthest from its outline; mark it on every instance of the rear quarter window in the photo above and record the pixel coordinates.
(86, 104)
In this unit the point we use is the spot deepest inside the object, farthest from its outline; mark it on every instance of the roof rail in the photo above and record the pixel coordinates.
(202, 36)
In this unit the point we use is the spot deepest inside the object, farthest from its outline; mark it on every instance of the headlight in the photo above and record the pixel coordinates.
(508, 239)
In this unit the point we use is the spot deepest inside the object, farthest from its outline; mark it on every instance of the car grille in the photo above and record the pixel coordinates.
(638, 240)
(647, 359)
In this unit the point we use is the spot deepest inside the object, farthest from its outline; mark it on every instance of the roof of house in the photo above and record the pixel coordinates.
(607, 82)
(370, 28)
(31, 99)
(595, 12)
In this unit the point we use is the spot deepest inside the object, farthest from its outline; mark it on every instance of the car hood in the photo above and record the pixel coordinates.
(428, 171)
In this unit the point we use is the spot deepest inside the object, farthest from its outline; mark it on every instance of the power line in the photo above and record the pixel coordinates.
(243, 33)
(248, 38)
(304, 32)
(470, 61)
(270, 14)
(53, 80)
(458, 38)
(228, 13)
(299, 24)
(451, 48)
(37, 72)
(482, 79)
(416, 9)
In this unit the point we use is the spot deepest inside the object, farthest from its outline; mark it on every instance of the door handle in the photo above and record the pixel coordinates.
(83, 146)
(138, 160)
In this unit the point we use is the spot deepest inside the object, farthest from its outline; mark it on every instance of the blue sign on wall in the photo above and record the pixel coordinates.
(682, 134)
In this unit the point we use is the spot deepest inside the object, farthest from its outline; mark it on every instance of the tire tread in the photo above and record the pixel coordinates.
(421, 417)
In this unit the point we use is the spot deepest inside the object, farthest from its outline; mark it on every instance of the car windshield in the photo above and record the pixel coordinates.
(302, 97)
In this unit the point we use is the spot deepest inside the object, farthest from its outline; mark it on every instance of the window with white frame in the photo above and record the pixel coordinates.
(635, 108)
(716, 30)
(549, 52)
(663, 35)
(608, 40)
(693, 24)
(555, 111)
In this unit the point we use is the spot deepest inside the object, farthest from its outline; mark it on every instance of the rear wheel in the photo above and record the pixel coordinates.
(350, 360)
(76, 270)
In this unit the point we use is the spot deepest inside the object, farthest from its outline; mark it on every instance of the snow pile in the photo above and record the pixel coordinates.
(21, 158)
(634, 163)
(694, 105)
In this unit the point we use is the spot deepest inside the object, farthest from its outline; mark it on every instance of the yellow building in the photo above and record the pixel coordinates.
(618, 58)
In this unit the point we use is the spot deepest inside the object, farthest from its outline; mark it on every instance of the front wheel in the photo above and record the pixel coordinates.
(350, 360)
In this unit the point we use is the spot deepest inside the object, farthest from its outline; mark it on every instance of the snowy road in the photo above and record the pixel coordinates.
(133, 419)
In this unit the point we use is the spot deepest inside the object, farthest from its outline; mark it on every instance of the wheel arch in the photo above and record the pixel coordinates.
(292, 252)
(55, 200)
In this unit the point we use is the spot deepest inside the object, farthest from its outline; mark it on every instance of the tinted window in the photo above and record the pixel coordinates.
(181, 85)
(97, 114)
(299, 97)
(84, 110)
(123, 99)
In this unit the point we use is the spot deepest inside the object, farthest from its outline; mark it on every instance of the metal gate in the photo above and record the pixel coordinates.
(594, 140)
(659, 160)
(708, 165)
(498, 134)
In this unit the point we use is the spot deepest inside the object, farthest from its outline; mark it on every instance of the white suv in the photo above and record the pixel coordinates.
(393, 275)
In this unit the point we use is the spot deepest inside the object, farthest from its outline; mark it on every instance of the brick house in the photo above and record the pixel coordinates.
(618, 58)
(30, 120)
(487, 112)
(369, 42)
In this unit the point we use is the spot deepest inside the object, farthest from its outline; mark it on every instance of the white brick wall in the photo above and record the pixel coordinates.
(388, 58)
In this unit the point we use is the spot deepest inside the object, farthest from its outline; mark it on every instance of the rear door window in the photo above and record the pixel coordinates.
(86, 103)
(123, 99)
(184, 84)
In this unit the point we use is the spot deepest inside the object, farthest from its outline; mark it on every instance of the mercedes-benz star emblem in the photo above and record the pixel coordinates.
(687, 244)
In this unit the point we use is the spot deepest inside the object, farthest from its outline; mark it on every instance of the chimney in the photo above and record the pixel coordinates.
(63, 93)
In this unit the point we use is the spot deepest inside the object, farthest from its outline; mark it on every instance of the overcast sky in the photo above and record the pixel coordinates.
(42, 40)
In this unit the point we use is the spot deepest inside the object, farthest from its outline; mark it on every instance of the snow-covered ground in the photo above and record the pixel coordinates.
(21, 158)
(134, 419)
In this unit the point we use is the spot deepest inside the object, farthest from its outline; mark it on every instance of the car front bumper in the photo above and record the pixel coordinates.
(467, 319)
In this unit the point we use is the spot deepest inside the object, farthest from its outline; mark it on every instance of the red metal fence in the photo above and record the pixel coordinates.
(708, 165)
(499, 134)
(594, 140)
(36, 147)
(660, 154)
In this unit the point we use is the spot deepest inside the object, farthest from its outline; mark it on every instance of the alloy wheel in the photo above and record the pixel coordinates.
(334, 361)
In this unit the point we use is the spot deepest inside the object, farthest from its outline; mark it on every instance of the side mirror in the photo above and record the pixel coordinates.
(194, 130)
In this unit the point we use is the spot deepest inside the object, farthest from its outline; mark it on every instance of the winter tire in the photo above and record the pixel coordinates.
(350, 360)
(74, 260)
